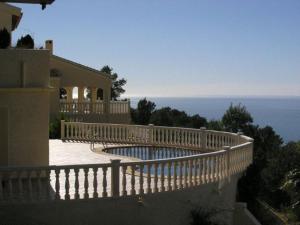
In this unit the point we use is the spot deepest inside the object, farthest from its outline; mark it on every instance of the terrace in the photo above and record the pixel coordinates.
(77, 172)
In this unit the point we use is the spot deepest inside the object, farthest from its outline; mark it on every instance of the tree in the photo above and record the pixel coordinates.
(117, 84)
(142, 114)
(236, 118)
(162, 117)
(25, 42)
(62, 93)
(196, 121)
(292, 187)
(4, 38)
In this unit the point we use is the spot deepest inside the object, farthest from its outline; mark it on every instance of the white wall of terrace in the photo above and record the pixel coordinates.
(167, 203)
(24, 107)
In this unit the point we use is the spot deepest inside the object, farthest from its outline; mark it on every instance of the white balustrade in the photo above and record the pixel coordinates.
(98, 107)
(220, 155)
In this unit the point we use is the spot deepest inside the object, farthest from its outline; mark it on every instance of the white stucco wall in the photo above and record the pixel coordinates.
(24, 106)
(6, 13)
(154, 209)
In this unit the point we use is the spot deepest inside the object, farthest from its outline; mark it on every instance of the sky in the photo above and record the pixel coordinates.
(178, 48)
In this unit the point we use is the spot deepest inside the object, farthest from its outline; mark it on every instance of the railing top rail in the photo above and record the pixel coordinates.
(169, 128)
(52, 167)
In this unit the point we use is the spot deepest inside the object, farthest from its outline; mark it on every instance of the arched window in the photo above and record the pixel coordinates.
(87, 94)
(75, 93)
(100, 94)
(62, 93)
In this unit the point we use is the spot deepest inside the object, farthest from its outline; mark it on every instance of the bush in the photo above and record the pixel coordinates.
(4, 38)
(25, 42)
(54, 128)
(200, 216)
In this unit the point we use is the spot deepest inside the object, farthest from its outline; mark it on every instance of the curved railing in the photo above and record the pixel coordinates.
(218, 156)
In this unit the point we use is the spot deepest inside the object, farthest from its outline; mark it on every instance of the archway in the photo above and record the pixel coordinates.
(62, 93)
(100, 94)
(87, 94)
(75, 93)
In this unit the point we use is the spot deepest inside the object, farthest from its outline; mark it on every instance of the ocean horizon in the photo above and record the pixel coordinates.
(280, 112)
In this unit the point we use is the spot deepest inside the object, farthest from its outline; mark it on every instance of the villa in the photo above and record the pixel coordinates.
(104, 170)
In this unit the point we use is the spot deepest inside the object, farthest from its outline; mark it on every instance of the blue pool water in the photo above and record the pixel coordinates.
(150, 153)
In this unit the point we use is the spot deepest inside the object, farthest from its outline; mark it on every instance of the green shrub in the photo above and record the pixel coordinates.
(4, 38)
(54, 127)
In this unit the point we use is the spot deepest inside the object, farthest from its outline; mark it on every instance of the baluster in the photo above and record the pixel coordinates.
(67, 184)
(20, 185)
(104, 182)
(212, 168)
(220, 165)
(185, 174)
(216, 168)
(190, 173)
(162, 177)
(205, 181)
(86, 182)
(175, 175)
(71, 131)
(141, 180)
(39, 184)
(75, 131)
(124, 191)
(169, 176)
(48, 184)
(195, 172)
(200, 171)
(76, 185)
(132, 191)
(159, 140)
(209, 169)
(180, 174)
(95, 182)
(155, 178)
(149, 178)
(57, 184)
(1, 187)
(10, 187)
(224, 166)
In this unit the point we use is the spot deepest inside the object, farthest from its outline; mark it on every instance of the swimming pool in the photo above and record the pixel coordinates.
(150, 153)
(154, 153)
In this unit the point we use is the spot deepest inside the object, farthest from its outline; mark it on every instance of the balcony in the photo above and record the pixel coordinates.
(98, 107)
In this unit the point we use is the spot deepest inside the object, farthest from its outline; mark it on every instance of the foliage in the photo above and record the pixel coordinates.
(236, 118)
(142, 114)
(4, 38)
(146, 113)
(215, 125)
(25, 42)
(54, 127)
(292, 187)
(62, 93)
(271, 159)
(200, 216)
(117, 84)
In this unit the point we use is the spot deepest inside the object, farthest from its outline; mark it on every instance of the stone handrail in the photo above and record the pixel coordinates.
(151, 135)
(226, 154)
(98, 107)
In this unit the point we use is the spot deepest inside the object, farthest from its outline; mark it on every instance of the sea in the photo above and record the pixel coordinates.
(281, 113)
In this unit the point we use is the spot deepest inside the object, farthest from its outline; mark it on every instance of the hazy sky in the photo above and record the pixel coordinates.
(179, 47)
